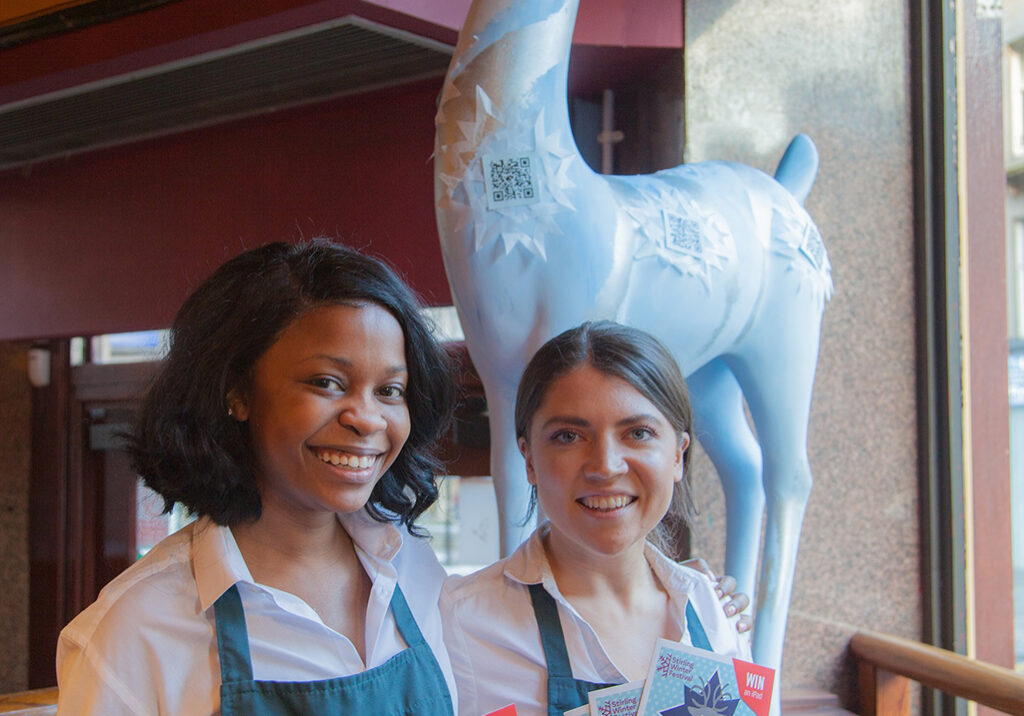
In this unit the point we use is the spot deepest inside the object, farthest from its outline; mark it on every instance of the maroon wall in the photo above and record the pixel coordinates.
(113, 240)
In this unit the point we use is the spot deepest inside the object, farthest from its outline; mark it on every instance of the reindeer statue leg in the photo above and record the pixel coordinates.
(776, 372)
(511, 489)
(721, 427)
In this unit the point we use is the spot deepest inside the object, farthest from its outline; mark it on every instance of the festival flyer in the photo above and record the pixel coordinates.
(583, 710)
(621, 700)
(684, 680)
(509, 710)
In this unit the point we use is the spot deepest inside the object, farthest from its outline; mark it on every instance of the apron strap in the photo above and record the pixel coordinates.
(232, 637)
(404, 619)
(551, 636)
(697, 635)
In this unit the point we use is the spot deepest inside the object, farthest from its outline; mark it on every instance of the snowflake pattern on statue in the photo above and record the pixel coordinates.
(519, 176)
(813, 247)
(692, 240)
(796, 237)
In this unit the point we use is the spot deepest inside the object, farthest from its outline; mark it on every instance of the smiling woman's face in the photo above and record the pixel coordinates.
(327, 408)
(604, 461)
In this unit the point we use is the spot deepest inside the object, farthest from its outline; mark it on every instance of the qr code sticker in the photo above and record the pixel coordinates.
(813, 247)
(682, 234)
(510, 180)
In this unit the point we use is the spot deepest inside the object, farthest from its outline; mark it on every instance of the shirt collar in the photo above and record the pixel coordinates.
(673, 576)
(377, 542)
(529, 565)
(218, 563)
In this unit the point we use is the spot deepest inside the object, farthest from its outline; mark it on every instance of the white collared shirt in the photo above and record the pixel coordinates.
(494, 641)
(148, 645)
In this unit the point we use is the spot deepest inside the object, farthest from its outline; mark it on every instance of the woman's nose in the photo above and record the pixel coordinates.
(604, 460)
(362, 415)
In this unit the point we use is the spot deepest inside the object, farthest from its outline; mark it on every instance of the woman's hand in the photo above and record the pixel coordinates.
(733, 602)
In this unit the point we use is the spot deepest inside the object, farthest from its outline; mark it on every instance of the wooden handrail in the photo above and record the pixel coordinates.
(947, 671)
(38, 702)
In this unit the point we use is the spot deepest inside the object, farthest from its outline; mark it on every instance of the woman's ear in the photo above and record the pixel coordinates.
(238, 405)
(684, 444)
(524, 449)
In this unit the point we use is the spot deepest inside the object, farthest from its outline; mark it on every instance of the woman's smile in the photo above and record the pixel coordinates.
(340, 458)
(606, 503)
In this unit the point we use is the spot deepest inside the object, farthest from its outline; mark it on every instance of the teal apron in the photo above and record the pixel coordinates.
(565, 692)
(408, 683)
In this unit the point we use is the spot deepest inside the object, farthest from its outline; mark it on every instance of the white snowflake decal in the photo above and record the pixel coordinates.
(796, 237)
(538, 194)
(677, 231)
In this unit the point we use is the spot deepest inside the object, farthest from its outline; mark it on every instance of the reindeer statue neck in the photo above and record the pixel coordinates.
(511, 63)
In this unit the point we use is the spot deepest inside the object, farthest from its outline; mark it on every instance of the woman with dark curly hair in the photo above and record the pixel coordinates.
(295, 416)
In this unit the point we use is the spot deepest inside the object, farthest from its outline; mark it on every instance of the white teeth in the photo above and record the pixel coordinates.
(605, 502)
(344, 460)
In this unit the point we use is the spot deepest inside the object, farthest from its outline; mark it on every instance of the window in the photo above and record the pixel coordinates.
(151, 523)
(1015, 80)
(463, 523)
(134, 347)
(1015, 282)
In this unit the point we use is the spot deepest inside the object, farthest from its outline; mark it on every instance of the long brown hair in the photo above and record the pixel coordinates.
(641, 360)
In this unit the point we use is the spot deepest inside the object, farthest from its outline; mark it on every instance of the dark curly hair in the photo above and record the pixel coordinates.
(641, 360)
(186, 447)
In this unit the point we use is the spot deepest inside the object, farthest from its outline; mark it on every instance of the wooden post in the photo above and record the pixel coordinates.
(883, 693)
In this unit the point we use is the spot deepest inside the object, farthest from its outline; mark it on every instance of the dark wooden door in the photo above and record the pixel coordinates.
(83, 494)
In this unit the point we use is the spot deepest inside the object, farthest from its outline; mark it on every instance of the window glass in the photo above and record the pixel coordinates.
(1013, 103)
(151, 523)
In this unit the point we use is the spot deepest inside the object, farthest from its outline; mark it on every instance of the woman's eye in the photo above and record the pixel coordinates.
(566, 436)
(640, 433)
(327, 383)
(394, 392)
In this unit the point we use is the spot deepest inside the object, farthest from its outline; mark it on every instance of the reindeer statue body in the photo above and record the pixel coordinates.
(718, 260)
